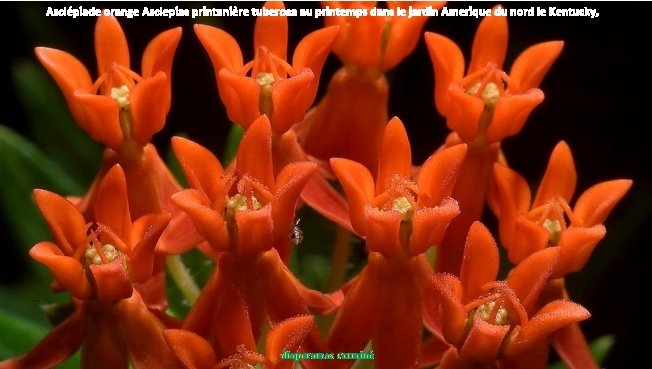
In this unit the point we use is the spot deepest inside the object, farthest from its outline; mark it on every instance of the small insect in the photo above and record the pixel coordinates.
(296, 234)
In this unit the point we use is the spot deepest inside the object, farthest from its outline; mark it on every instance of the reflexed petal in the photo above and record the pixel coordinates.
(480, 263)
(438, 175)
(464, 111)
(101, 118)
(395, 155)
(560, 177)
(324, 199)
(112, 204)
(66, 270)
(576, 246)
(528, 238)
(432, 351)
(510, 114)
(192, 350)
(452, 360)
(103, 347)
(69, 73)
(145, 234)
(240, 96)
(596, 203)
(110, 48)
(448, 65)
(255, 152)
(489, 44)
(484, 340)
(429, 225)
(66, 223)
(311, 52)
(452, 315)
(208, 222)
(231, 322)
(272, 32)
(532, 65)
(530, 276)
(61, 343)
(111, 281)
(550, 318)
(201, 167)
(359, 187)
(290, 100)
(222, 48)
(383, 231)
(148, 108)
(571, 346)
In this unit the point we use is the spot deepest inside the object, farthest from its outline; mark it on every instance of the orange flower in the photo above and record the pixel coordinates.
(246, 216)
(268, 84)
(377, 42)
(130, 107)
(196, 352)
(399, 219)
(487, 104)
(102, 264)
(526, 227)
(486, 321)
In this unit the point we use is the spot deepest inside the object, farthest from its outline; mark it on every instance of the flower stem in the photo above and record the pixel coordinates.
(182, 278)
(340, 258)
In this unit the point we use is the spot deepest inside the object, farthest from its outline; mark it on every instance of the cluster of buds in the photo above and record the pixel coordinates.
(429, 294)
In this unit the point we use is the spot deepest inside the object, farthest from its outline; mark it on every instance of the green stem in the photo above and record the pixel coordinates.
(182, 278)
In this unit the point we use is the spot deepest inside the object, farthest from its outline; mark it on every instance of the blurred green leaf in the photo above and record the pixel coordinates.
(599, 348)
(20, 335)
(51, 125)
(24, 167)
(232, 143)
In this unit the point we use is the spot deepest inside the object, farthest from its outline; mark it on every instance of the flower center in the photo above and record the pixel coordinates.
(121, 96)
(100, 255)
(403, 206)
(553, 226)
(491, 312)
(241, 202)
(488, 84)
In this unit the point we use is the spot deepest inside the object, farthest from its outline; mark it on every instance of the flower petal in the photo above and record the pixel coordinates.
(528, 238)
(287, 336)
(222, 48)
(110, 48)
(464, 112)
(255, 230)
(395, 155)
(159, 53)
(448, 65)
(571, 346)
(324, 199)
(311, 53)
(192, 350)
(255, 152)
(430, 224)
(530, 276)
(359, 187)
(67, 271)
(513, 199)
(596, 203)
(69, 73)
(290, 100)
(550, 318)
(240, 96)
(148, 107)
(451, 311)
(532, 65)
(576, 246)
(208, 222)
(480, 263)
(383, 231)
(272, 31)
(510, 114)
(489, 44)
(145, 234)
(112, 204)
(560, 177)
(484, 340)
(201, 167)
(101, 118)
(66, 223)
(439, 174)
(111, 281)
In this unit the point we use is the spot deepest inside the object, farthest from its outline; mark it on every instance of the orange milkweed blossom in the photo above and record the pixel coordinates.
(482, 108)
(349, 121)
(492, 324)
(268, 84)
(103, 264)
(246, 215)
(196, 353)
(399, 218)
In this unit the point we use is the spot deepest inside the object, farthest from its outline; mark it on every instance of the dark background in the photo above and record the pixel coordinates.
(597, 99)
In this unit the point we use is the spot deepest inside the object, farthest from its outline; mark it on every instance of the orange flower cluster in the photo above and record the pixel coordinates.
(411, 310)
